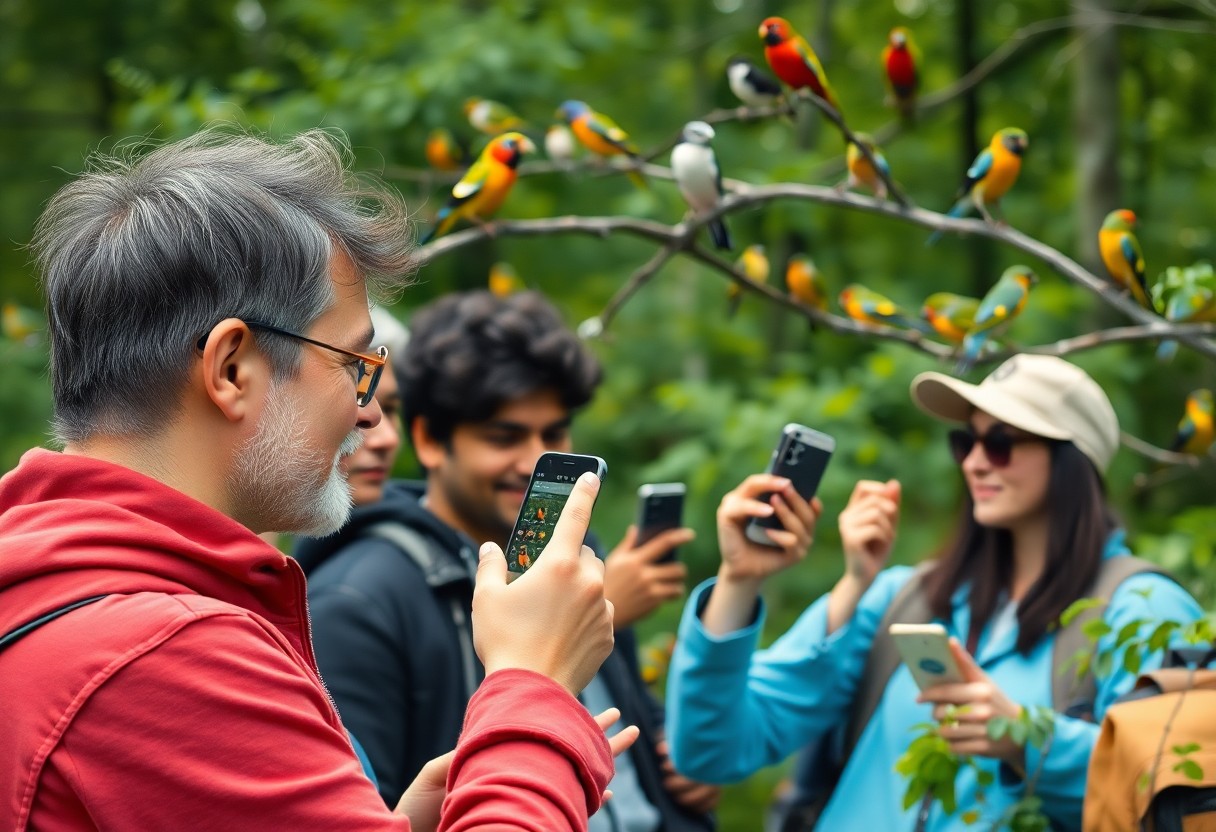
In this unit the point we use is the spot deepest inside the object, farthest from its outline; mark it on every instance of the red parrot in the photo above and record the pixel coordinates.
(793, 60)
(899, 64)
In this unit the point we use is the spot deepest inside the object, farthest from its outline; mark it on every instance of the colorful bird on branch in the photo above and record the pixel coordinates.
(1000, 306)
(443, 152)
(866, 305)
(1196, 430)
(600, 135)
(805, 283)
(1191, 303)
(951, 316)
(484, 186)
(899, 62)
(696, 172)
(862, 174)
(793, 60)
(1122, 256)
(750, 84)
(990, 176)
(753, 262)
(492, 117)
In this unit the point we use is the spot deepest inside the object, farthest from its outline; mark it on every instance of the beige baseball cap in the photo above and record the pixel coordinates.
(1040, 394)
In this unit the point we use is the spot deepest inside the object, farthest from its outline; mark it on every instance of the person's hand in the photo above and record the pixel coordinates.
(553, 619)
(977, 699)
(424, 797)
(635, 582)
(693, 796)
(746, 560)
(868, 526)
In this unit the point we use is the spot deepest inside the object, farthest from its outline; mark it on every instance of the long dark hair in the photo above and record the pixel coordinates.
(1079, 524)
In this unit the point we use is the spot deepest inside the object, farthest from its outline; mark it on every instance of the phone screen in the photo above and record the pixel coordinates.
(552, 481)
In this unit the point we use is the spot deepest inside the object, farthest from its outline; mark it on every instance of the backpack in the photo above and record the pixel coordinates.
(798, 803)
(1121, 791)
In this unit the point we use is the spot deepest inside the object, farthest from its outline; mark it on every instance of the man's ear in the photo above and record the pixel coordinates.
(236, 375)
(429, 450)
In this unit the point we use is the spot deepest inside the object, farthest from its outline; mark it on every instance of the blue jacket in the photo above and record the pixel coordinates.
(732, 709)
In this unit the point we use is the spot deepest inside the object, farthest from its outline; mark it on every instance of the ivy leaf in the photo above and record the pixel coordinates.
(1077, 607)
(1160, 636)
(1128, 631)
(1095, 629)
(1189, 748)
(1190, 769)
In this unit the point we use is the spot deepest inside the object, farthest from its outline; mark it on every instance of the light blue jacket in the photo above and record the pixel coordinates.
(732, 709)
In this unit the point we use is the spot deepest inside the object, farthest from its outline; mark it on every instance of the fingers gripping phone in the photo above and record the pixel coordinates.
(925, 649)
(801, 456)
(660, 508)
(553, 479)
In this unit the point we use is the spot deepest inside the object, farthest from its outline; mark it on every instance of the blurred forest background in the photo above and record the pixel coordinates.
(1116, 97)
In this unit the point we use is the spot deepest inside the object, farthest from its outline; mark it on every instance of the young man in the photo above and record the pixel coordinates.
(488, 385)
(211, 362)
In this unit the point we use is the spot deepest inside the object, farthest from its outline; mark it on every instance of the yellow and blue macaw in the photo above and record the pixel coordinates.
(861, 172)
(990, 176)
(484, 186)
(1122, 256)
(1002, 304)
(754, 265)
(868, 306)
(1196, 430)
(600, 134)
(951, 316)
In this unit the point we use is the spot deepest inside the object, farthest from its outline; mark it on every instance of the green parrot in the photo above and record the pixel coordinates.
(1002, 304)
(950, 315)
(862, 304)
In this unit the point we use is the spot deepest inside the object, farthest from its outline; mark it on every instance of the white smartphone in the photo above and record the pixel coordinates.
(801, 456)
(925, 649)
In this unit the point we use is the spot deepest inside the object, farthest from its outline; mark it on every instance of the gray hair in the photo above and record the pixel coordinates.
(141, 257)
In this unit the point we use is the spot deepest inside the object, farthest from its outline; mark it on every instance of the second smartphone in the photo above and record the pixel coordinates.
(553, 479)
(660, 507)
(801, 456)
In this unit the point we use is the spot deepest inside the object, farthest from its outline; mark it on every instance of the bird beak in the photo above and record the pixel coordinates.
(527, 146)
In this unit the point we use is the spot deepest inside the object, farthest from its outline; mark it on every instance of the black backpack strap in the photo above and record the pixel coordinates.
(10, 638)
(1070, 695)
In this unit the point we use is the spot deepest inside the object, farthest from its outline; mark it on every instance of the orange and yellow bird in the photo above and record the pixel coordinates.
(899, 64)
(1122, 256)
(991, 175)
(484, 186)
(951, 316)
(443, 152)
(863, 304)
(600, 134)
(804, 282)
(503, 279)
(1196, 431)
(862, 174)
(753, 262)
(492, 117)
(793, 60)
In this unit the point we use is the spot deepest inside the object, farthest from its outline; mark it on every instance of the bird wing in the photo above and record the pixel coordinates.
(1130, 247)
(762, 82)
(978, 170)
(607, 129)
(473, 181)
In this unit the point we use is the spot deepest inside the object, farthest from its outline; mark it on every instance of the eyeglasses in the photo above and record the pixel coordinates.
(369, 367)
(997, 444)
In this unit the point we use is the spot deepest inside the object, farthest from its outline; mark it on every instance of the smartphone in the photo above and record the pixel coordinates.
(925, 649)
(553, 479)
(660, 507)
(801, 456)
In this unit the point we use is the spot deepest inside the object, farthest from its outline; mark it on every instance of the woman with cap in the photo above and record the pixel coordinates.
(1033, 442)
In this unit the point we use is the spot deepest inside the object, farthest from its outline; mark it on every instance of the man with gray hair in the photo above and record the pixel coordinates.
(211, 363)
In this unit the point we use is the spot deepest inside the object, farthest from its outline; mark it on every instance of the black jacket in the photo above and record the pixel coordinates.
(388, 631)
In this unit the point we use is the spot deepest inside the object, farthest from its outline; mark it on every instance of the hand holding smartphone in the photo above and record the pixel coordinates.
(801, 456)
(660, 508)
(552, 481)
(925, 649)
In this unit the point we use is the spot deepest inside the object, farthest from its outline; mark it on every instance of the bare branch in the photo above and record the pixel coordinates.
(1161, 455)
(636, 281)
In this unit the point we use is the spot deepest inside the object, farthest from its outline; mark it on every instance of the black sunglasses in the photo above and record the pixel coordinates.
(997, 444)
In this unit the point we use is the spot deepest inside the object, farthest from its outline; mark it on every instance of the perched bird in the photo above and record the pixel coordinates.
(793, 60)
(991, 174)
(1002, 304)
(950, 315)
(20, 324)
(861, 172)
(753, 262)
(1192, 302)
(805, 283)
(868, 306)
(443, 152)
(559, 143)
(1122, 256)
(696, 172)
(1196, 431)
(492, 117)
(899, 60)
(484, 186)
(750, 84)
(503, 279)
(600, 134)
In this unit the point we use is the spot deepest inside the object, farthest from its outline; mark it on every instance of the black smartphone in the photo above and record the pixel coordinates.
(660, 507)
(801, 456)
(553, 479)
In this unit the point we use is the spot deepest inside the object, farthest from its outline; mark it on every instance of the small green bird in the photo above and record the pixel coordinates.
(868, 306)
(1002, 304)
(1189, 304)
(951, 316)
(492, 117)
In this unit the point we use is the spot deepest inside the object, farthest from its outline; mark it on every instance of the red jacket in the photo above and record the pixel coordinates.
(189, 698)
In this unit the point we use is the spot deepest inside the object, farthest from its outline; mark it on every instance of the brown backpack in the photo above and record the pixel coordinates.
(1122, 793)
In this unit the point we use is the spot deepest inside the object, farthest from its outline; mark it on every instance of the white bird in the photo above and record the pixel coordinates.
(697, 174)
(753, 86)
(559, 143)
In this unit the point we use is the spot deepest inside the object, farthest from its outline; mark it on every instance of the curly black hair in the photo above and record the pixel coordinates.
(470, 353)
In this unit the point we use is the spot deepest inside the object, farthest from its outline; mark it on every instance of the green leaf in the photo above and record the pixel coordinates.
(1131, 661)
(915, 791)
(985, 778)
(945, 794)
(998, 727)
(1144, 781)
(1128, 631)
(1095, 628)
(1104, 663)
(1018, 731)
(1189, 748)
(1077, 607)
(1160, 636)
(1190, 769)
